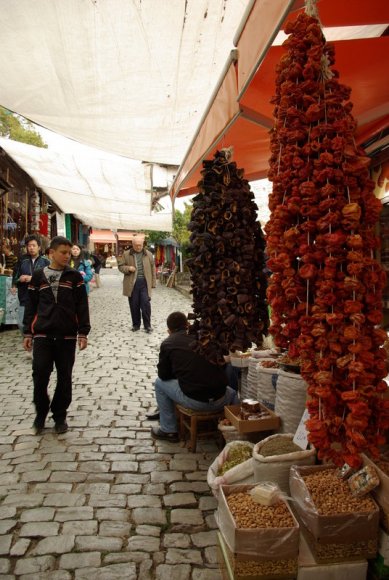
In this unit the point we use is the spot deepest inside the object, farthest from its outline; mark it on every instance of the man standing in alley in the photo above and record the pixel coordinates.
(138, 267)
(24, 270)
(56, 318)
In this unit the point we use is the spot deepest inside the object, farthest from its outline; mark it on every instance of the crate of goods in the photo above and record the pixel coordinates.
(260, 541)
(381, 493)
(240, 359)
(308, 569)
(337, 525)
(274, 456)
(251, 416)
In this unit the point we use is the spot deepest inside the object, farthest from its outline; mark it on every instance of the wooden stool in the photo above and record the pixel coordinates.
(190, 420)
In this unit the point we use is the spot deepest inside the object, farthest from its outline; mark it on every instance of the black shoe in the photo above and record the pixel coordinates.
(135, 328)
(61, 427)
(156, 433)
(148, 330)
(38, 425)
(153, 415)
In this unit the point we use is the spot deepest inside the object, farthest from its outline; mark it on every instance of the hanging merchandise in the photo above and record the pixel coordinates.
(227, 263)
(35, 212)
(326, 289)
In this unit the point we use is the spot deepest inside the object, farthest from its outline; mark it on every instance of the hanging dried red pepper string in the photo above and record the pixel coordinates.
(326, 288)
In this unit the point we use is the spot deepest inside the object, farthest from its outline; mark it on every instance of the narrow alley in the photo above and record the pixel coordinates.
(103, 501)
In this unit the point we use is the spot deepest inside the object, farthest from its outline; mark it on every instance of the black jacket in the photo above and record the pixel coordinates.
(66, 317)
(198, 378)
(25, 266)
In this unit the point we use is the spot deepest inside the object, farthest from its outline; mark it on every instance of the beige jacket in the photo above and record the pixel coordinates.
(127, 260)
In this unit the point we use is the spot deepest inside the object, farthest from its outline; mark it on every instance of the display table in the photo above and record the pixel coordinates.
(9, 302)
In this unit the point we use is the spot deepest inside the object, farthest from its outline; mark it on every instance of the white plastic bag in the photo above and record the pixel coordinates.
(275, 468)
(242, 473)
(290, 400)
(266, 386)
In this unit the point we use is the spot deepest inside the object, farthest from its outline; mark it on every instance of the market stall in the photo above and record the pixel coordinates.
(324, 381)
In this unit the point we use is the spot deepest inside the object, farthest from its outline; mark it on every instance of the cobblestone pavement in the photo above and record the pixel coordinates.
(103, 501)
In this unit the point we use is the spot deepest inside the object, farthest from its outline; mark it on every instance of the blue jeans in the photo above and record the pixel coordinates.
(168, 393)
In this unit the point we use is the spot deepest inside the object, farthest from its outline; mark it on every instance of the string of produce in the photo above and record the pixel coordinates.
(227, 263)
(326, 289)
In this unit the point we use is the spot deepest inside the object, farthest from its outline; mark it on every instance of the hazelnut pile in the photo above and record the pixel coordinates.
(249, 514)
(332, 496)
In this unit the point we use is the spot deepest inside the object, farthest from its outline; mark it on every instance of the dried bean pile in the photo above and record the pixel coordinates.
(326, 289)
(331, 495)
(278, 446)
(227, 263)
(236, 455)
(247, 513)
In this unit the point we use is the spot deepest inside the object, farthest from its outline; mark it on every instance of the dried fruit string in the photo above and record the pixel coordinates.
(326, 287)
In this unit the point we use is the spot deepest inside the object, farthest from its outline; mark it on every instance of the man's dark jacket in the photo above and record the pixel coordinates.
(198, 379)
(25, 266)
(66, 317)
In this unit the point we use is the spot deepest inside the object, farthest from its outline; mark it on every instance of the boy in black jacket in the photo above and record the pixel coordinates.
(56, 317)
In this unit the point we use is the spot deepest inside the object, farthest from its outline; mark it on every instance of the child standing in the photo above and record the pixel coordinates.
(56, 317)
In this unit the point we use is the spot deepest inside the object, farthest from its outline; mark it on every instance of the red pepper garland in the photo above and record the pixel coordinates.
(326, 289)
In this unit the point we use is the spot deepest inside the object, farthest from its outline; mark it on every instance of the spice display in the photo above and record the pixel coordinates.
(364, 481)
(332, 495)
(236, 455)
(247, 513)
(279, 446)
(269, 364)
(227, 263)
(326, 288)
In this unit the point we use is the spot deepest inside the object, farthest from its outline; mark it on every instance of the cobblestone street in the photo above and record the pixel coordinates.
(103, 501)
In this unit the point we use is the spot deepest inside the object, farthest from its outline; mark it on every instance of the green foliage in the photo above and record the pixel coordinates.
(180, 227)
(154, 237)
(19, 129)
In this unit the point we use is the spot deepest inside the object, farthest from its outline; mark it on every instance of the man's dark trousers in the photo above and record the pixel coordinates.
(140, 301)
(46, 353)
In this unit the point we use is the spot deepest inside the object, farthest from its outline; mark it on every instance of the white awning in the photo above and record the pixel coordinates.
(128, 76)
(106, 191)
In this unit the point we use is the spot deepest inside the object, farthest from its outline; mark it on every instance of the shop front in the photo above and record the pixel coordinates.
(103, 243)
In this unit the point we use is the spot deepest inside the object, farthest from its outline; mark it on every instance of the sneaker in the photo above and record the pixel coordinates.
(148, 330)
(135, 328)
(38, 426)
(156, 433)
(61, 427)
(153, 415)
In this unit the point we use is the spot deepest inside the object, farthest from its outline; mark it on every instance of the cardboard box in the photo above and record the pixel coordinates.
(379, 567)
(329, 529)
(261, 543)
(270, 422)
(309, 569)
(237, 567)
(380, 493)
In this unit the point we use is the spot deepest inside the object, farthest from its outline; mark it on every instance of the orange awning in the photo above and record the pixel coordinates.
(102, 237)
(361, 62)
(124, 236)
